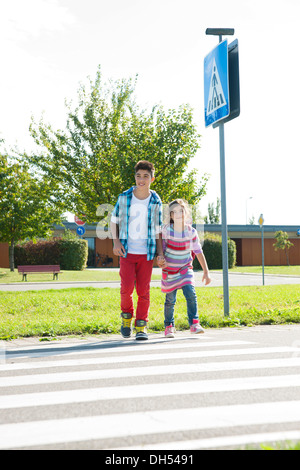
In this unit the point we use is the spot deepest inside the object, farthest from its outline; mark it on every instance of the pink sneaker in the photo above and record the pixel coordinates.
(169, 332)
(196, 328)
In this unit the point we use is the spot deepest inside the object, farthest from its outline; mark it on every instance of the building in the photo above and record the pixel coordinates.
(249, 244)
(247, 239)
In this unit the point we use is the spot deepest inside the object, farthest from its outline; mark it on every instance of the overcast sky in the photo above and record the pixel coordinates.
(49, 46)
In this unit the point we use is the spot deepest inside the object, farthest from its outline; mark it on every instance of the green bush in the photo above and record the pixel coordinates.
(212, 249)
(73, 254)
(70, 254)
(40, 252)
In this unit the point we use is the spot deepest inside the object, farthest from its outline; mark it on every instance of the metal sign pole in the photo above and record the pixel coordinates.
(220, 32)
(224, 217)
(224, 221)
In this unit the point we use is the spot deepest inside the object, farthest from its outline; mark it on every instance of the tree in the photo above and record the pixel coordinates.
(214, 215)
(93, 159)
(28, 205)
(283, 243)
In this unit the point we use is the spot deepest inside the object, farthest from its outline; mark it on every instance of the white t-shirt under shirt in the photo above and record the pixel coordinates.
(138, 226)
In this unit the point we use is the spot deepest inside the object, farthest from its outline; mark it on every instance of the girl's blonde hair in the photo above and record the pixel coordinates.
(185, 206)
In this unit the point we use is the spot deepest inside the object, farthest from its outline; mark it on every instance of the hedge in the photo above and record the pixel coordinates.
(73, 254)
(69, 254)
(212, 249)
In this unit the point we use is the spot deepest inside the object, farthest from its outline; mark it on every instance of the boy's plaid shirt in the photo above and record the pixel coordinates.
(120, 216)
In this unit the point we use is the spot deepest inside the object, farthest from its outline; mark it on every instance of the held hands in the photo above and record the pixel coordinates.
(161, 261)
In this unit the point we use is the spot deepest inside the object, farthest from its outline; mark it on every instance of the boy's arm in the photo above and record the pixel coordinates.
(118, 248)
(159, 241)
(160, 254)
(206, 277)
(159, 245)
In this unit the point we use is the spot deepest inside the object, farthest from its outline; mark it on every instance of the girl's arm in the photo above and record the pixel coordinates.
(206, 277)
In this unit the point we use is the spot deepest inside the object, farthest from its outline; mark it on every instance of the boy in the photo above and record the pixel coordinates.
(136, 228)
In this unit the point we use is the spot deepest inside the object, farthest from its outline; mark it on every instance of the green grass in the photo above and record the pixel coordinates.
(51, 313)
(283, 270)
(285, 445)
(281, 445)
(6, 276)
(113, 275)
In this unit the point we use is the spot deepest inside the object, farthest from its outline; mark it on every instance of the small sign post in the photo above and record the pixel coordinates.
(80, 230)
(261, 223)
(78, 221)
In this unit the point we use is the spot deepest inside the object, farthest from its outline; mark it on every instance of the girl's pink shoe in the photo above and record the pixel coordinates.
(170, 332)
(196, 328)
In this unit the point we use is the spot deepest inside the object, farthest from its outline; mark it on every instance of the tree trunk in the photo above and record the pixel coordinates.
(287, 257)
(12, 255)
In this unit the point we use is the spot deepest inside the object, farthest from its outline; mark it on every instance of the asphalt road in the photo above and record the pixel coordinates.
(235, 279)
(228, 388)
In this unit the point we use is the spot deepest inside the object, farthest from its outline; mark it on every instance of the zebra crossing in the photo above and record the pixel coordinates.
(186, 393)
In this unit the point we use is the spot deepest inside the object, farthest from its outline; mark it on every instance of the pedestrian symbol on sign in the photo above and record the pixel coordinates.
(216, 84)
(216, 98)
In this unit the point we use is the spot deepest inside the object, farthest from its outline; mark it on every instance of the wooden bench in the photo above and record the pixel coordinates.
(54, 269)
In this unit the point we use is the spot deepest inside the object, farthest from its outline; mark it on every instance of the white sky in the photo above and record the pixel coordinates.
(49, 46)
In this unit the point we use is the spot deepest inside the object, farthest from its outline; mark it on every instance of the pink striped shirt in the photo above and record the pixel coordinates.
(178, 248)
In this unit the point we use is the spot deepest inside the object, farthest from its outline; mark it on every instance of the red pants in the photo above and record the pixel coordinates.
(135, 269)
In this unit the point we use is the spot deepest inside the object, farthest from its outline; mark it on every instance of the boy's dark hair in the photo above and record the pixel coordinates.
(145, 165)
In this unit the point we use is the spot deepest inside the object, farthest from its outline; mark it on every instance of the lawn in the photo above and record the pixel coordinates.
(6, 276)
(283, 270)
(98, 275)
(78, 311)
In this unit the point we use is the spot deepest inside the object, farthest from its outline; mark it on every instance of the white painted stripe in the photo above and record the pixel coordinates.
(35, 433)
(219, 442)
(132, 346)
(147, 371)
(148, 390)
(45, 350)
(147, 357)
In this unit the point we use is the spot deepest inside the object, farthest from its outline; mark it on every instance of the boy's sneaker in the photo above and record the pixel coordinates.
(140, 328)
(126, 325)
(169, 331)
(196, 328)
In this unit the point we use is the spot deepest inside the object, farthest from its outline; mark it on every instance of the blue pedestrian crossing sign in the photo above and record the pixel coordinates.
(216, 84)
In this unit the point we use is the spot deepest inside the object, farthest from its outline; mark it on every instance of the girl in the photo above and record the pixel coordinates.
(180, 242)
